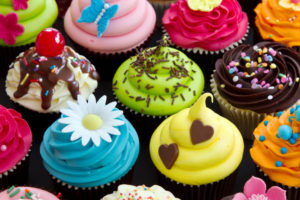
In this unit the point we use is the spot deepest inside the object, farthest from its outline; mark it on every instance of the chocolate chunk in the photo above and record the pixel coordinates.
(168, 154)
(200, 133)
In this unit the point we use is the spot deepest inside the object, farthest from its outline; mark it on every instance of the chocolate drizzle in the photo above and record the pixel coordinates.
(47, 71)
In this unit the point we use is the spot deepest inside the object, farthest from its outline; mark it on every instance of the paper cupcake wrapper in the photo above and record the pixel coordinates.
(17, 175)
(86, 193)
(292, 193)
(212, 191)
(204, 51)
(245, 120)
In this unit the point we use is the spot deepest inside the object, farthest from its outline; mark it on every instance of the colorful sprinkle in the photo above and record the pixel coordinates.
(25, 79)
(283, 150)
(292, 141)
(3, 147)
(279, 114)
(262, 138)
(278, 164)
(266, 122)
(235, 78)
(292, 110)
(285, 132)
(239, 85)
(270, 97)
(273, 66)
(291, 119)
(222, 85)
(15, 192)
(47, 92)
(295, 136)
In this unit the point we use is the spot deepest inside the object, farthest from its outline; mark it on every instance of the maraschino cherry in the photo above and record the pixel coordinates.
(50, 42)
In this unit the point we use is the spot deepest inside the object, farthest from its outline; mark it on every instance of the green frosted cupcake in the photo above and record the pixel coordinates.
(159, 81)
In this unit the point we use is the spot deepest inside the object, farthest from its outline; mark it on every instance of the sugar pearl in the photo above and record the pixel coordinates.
(3, 147)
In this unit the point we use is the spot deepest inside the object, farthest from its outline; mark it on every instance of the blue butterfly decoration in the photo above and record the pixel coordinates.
(99, 13)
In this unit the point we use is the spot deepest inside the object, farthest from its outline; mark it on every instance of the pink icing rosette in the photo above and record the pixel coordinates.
(15, 138)
(216, 30)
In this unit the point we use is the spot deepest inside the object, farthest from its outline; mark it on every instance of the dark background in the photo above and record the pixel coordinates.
(144, 171)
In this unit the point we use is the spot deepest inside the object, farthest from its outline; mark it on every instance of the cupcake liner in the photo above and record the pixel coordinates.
(292, 193)
(107, 63)
(17, 174)
(211, 191)
(245, 120)
(8, 55)
(63, 6)
(71, 192)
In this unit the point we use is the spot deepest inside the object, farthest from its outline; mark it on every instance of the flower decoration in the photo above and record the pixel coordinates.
(99, 13)
(293, 4)
(255, 189)
(204, 5)
(9, 28)
(91, 120)
(20, 4)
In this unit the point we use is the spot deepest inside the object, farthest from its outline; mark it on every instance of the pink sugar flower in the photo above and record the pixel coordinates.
(255, 189)
(9, 28)
(20, 4)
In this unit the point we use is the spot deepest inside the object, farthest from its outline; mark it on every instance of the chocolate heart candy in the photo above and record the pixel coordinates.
(200, 133)
(168, 154)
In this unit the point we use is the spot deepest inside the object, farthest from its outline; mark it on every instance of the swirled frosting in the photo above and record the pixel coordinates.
(278, 158)
(278, 20)
(204, 162)
(46, 84)
(131, 26)
(39, 15)
(263, 78)
(130, 192)
(15, 138)
(90, 165)
(34, 193)
(158, 81)
(213, 31)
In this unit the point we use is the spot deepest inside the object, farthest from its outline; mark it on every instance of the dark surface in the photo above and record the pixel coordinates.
(144, 171)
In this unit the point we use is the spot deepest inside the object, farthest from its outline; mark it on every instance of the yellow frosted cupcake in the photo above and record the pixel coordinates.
(197, 151)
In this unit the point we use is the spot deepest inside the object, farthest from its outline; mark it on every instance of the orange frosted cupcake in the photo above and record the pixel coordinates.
(276, 151)
(279, 20)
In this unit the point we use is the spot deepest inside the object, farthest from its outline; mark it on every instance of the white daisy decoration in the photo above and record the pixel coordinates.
(91, 120)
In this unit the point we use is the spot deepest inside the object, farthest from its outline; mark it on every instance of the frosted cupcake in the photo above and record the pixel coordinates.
(15, 143)
(130, 192)
(90, 150)
(275, 151)
(24, 192)
(197, 151)
(252, 81)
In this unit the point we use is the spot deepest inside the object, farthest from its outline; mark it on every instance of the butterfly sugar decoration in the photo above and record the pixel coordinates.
(99, 13)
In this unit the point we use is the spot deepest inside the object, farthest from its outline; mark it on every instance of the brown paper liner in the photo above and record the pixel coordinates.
(71, 192)
(17, 175)
(292, 193)
(245, 120)
(212, 191)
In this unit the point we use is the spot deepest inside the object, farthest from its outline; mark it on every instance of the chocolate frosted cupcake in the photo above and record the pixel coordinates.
(252, 81)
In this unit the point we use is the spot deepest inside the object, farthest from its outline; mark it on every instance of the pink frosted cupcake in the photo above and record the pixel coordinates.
(17, 193)
(15, 143)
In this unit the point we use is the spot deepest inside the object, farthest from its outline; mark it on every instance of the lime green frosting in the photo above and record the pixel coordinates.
(40, 14)
(204, 5)
(205, 162)
(159, 81)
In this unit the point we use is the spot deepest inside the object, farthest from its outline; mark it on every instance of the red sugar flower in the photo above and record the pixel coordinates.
(20, 4)
(9, 28)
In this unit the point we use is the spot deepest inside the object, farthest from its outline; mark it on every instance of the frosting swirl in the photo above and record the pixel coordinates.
(90, 165)
(156, 79)
(207, 161)
(15, 138)
(213, 31)
(130, 192)
(278, 20)
(275, 153)
(38, 11)
(263, 78)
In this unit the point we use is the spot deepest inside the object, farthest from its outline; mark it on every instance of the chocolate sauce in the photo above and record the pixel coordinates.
(47, 71)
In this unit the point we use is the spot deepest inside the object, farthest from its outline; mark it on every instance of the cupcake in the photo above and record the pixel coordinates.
(125, 26)
(157, 82)
(251, 82)
(24, 192)
(90, 150)
(205, 27)
(278, 20)
(275, 151)
(45, 77)
(15, 143)
(197, 152)
(255, 188)
(20, 23)
(130, 192)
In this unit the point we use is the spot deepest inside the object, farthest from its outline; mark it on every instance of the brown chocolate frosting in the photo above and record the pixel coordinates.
(263, 78)
(47, 71)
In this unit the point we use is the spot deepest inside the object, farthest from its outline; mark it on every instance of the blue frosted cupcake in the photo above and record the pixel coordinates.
(90, 150)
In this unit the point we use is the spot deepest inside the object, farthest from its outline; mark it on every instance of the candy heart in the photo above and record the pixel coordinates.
(200, 133)
(168, 154)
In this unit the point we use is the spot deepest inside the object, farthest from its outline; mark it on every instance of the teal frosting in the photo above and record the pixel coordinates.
(89, 166)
